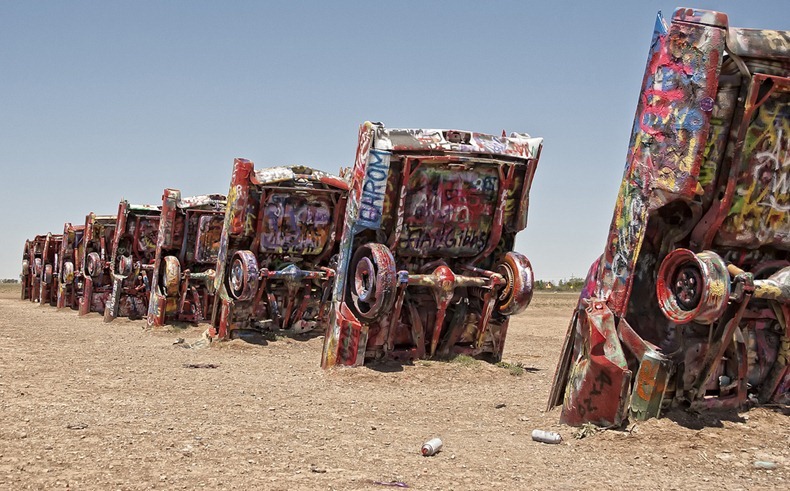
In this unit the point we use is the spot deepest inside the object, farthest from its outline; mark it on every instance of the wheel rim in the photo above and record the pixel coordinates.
(237, 278)
(687, 286)
(93, 264)
(371, 281)
(365, 280)
(507, 272)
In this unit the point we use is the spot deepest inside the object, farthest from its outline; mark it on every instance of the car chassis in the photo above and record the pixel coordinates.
(132, 260)
(688, 306)
(277, 251)
(182, 287)
(427, 266)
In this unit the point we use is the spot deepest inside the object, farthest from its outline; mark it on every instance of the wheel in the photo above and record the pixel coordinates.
(93, 265)
(25, 267)
(170, 276)
(519, 278)
(372, 281)
(242, 282)
(693, 287)
(37, 266)
(67, 275)
(47, 276)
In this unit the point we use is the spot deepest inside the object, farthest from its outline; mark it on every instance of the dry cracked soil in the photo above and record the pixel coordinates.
(89, 405)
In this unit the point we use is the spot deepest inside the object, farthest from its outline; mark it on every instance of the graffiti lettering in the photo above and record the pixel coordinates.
(295, 225)
(601, 381)
(586, 406)
(449, 210)
(449, 238)
(374, 189)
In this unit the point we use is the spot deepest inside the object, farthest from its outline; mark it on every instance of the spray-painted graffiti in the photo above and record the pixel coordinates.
(667, 142)
(209, 233)
(429, 281)
(760, 213)
(132, 260)
(69, 251)
(295, 224)
(700, 230)
(92, 270)
(277, 248)
(188, 244)
(373, 189)
(449, 211)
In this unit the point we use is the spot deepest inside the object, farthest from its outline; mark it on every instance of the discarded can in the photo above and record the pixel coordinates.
(431, 447)
(546, 436)
(765, 465)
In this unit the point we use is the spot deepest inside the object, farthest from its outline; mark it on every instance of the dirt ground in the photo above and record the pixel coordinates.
(88, 405)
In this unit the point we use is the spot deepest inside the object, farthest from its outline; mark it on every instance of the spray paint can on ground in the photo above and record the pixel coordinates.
(431, 447)
(546, 436)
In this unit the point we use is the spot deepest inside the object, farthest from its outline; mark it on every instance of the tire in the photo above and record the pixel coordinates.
(693, 287)
(242, 276)
(519, 278)
(93, 265)
(171, 276)
(372, 281)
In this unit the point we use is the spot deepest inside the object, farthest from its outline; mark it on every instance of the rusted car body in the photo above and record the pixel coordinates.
(132, 260)
(182, 287)
(92, 280)
(32, 267)
(68, 265)
(688, 305)
(48, 294)
(26, 276)
(275, 262)
(427, 266)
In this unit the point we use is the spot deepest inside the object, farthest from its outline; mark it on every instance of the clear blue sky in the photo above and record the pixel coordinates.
(103, 100)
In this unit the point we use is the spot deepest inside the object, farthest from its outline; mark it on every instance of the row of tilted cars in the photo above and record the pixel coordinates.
(410, 254)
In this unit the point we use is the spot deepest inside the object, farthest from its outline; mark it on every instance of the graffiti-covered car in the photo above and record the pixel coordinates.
(26, 276)
(688, 305)
(132, 260)
(427, 266)
(92, 278)
(275, 264)
(68, 264)
(32, 267)
(49, 271)
(182, 287)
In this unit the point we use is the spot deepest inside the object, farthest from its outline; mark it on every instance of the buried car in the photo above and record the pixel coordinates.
(182, 287)
(688, 306)
(92, 280)
(427, 266)
(68, 263)
(32, 267)
(132, 260)
(48, 282)
(276, 256)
